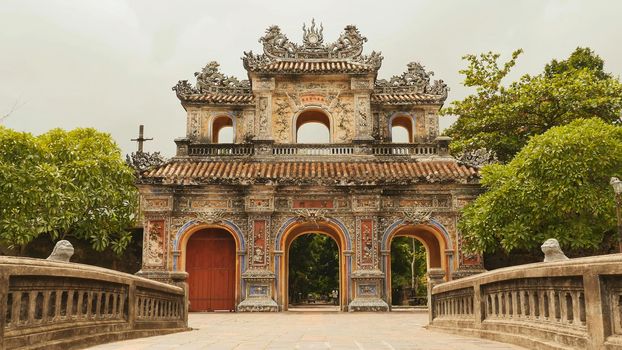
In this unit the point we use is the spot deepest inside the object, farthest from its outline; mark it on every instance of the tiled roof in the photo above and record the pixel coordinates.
(314, 67)
(236, 99)
(185, 171)
(220, 99)
(396, 99)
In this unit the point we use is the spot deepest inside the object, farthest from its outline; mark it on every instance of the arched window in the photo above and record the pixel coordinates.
(402, 129)
(312, 126)
(222, 130)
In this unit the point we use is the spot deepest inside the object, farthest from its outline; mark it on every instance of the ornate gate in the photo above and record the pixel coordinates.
(211, 267)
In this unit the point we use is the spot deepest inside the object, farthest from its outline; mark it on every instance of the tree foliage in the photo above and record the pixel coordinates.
(503, 119)
(65, 184)
(557, 186)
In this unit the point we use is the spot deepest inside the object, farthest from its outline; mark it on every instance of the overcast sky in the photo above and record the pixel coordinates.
(111, 64)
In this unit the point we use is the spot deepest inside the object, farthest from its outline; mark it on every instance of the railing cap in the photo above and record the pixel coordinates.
(598, 265)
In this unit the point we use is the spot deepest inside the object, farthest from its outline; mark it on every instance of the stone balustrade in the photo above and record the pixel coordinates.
(331, 149)
(56, 305)
(572, 304)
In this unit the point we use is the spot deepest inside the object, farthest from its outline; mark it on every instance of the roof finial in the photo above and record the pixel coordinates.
(141, 139)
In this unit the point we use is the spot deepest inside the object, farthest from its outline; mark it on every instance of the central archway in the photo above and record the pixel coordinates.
(294, 228)
(313, 272)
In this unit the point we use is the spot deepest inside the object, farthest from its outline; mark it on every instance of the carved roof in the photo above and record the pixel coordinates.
(278, 48)
(313, 56)
(405, 99)
(184, 171)
(211, 82)
(415, 81)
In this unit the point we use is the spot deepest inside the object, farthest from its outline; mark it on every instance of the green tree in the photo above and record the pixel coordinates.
(503, 119)
(65, 184)
(555, 187)
(402, 272)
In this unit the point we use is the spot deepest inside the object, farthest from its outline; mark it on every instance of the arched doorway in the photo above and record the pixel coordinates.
(408, 271)
(313, 272)
(222, 130)
(436, 247)
(284, 239)
(211, 267)
(312, 126)
(402, 129)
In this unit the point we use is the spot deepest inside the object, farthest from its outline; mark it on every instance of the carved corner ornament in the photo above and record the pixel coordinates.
(210, 216)
(210, 79)
(478, 158)
(415, 80)
(416, 217)
(311, 215)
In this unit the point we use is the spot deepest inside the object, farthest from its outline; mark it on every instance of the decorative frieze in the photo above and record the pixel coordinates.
(156, 203)
(259, 204)
(154, 251)
(366, 243)
(259, 242)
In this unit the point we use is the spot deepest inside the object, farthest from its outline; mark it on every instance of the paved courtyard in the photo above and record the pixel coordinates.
(308, 330)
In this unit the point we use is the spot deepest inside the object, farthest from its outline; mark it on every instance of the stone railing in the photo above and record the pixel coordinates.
(572, 304)
(308, 149)
(56, 305)
(220, 150)
(405, 149)
(288, 150)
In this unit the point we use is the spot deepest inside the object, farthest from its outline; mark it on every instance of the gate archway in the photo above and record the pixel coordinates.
(435, 239)
(295, 228)
(210, 255)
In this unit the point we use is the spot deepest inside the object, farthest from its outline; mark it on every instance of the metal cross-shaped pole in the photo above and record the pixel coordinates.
(141, 139)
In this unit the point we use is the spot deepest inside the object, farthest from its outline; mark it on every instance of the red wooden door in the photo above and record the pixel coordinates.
(210, 263)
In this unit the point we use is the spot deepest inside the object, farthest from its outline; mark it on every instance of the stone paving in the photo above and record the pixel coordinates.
(308, 330)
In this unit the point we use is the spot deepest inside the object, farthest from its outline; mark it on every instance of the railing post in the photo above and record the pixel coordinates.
(598, 318)
(4, 294)
(131, 305)
(479, 308)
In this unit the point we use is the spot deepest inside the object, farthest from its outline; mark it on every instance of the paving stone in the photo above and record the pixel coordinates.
(308, 330)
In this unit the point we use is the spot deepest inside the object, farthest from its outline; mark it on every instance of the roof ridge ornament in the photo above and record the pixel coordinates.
(312, 37)
(277, 47)
(416, 80)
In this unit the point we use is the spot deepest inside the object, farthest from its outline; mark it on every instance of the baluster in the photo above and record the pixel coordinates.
(547, 304)
(527, 311)
(569, 307)
(80, 313)
(89, 305)
(15, 307)
(32, 304)
(557, 307)
(46, 305)
(59, 302)
(576, 308)
(582, 316)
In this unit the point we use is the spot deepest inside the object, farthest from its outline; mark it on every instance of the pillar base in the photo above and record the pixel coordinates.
(258, 292)
(368, 305)
(256, 304)
(367, 287)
